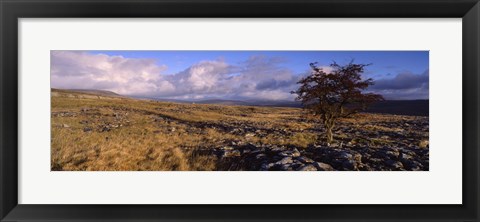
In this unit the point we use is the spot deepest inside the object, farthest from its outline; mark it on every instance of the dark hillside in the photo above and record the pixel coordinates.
(401, 107)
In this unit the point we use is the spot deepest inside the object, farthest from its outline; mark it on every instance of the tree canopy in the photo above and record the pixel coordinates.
(339, 93)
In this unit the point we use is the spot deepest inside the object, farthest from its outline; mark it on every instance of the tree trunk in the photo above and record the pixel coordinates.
(329, 134)
(329, 124)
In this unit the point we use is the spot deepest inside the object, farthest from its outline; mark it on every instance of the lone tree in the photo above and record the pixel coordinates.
(337, 94)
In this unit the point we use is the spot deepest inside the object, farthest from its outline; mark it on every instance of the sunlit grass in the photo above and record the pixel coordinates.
(120, 134)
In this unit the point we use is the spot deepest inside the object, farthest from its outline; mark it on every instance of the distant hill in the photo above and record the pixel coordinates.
(88, 91)
(224, 102)
(271, 103)
(397, 107)
(96, 92)
(401, 107)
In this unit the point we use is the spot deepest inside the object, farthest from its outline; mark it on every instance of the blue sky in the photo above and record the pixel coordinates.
(384, 63)
(231, 74)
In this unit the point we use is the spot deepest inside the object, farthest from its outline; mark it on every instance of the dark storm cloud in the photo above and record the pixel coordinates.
(276, 84)
(406, 80)
(403, 86)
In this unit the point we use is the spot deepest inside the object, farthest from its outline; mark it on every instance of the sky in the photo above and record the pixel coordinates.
(231, 75)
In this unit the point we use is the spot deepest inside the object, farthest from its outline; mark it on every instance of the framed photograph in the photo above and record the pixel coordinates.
(225, 110)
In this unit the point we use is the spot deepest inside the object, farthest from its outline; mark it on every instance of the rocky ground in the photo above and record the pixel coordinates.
(323, 158)
(377, 151)
(102, 133)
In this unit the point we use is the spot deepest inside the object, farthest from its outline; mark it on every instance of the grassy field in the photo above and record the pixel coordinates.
(97, 132)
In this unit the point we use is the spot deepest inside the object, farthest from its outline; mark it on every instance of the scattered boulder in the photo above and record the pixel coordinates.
(308, 167)
(285, 160)
(260, 156)
(345, 155)
(349, 165)
(323, 166)
(394, 164)
(296, 153)
(304, 159)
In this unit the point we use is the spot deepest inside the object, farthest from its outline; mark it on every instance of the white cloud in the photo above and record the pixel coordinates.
(82, 70)
(203, 76)
(258, 78)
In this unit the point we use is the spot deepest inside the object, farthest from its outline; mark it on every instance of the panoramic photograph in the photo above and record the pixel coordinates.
(239, 110)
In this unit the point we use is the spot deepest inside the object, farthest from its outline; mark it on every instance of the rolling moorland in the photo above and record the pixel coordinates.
(103, 131)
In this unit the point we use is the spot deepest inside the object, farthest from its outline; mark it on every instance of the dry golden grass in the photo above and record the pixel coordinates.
(103, 133)
(152, 135)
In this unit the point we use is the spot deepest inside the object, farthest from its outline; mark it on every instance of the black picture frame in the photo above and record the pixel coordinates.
(12, 10)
